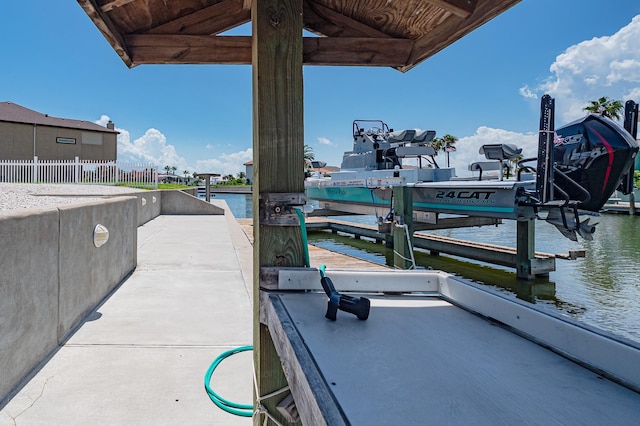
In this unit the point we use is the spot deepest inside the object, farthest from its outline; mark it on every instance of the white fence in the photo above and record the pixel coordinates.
(79, 172)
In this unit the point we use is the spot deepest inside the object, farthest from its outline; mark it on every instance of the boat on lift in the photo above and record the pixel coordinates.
(578, 167)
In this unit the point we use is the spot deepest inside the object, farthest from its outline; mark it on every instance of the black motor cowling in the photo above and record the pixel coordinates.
(595, 153)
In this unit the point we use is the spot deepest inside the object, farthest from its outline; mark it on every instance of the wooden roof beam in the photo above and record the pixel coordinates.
(390, 52)
(212, 20)
(460, 8)
(324, 21)
(107, 28)
(189, 49)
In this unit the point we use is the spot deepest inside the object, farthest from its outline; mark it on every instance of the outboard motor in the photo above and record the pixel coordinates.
(595, 153)
(579, 167)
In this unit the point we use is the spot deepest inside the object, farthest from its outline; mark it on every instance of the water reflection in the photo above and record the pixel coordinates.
(611, 273)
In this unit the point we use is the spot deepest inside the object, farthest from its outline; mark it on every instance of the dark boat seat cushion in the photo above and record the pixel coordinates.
(401, 136)
(500, 151)
(424, 136)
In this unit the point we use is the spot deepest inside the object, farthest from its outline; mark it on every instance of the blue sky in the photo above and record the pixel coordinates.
(485, 88)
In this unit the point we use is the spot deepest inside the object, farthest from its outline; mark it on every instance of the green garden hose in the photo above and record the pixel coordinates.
(305, 242)
(246, 410)
(243, 410)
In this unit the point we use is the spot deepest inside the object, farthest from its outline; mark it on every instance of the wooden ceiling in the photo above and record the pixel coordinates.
(393, 33)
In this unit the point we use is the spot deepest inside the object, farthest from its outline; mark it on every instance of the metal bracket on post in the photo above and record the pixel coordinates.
(276, 209)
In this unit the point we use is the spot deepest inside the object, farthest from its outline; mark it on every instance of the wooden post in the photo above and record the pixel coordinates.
(403, 213)
(278, 144)
(525, 248)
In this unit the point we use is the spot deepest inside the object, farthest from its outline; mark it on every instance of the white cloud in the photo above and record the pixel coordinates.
(603, 66)
(526, 92)
(150, 148)
(591, 79)
(226, 163)
(324, 141)
(626, 69)
(468, 147)
(633, 94)
(104, 119)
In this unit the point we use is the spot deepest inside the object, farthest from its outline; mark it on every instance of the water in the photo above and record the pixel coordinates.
(241, 205)
(601, 289)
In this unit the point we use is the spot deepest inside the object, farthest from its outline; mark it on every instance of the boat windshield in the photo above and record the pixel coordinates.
(369, 127)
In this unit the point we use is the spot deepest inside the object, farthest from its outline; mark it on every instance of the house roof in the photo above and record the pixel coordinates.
(15, 113)
(398, 34)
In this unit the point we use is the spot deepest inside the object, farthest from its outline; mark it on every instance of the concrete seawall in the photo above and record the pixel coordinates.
(180, 202)
(88, 273)
(28, 292)
(52, 275)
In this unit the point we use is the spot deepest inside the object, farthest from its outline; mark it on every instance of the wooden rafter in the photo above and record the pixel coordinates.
(452, 29)
(186, 31)
(107, 28)
(460, 8)
(214, 19)
(327, 22)
(113, 4)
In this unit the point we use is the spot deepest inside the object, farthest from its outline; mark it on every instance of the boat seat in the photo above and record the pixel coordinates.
(424, 136)
(415, 151)
(401, 136)
(500, 151)
(481, 166)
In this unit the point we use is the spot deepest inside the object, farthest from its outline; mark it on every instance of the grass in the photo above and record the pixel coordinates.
(141, 185)
(172, 186)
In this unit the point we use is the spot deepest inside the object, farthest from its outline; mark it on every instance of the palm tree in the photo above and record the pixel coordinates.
(308, 153)
(167, 169)
(173, 169)
(445, 144)
(512, 165)
(438, 145)
(605, 107)
(186, 176)
(449, 141)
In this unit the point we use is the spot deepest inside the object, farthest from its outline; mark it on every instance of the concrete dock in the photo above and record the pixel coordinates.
(140, 357)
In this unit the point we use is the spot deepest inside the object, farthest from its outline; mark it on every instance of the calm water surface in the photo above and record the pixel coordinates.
(601, 289)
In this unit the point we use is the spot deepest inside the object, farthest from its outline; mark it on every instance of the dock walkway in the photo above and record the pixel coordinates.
(141, 356)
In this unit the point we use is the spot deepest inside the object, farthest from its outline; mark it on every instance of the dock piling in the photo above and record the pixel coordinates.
(403, 227)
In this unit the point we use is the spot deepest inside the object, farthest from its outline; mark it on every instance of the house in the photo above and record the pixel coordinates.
(25, 134)
(249, 170)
